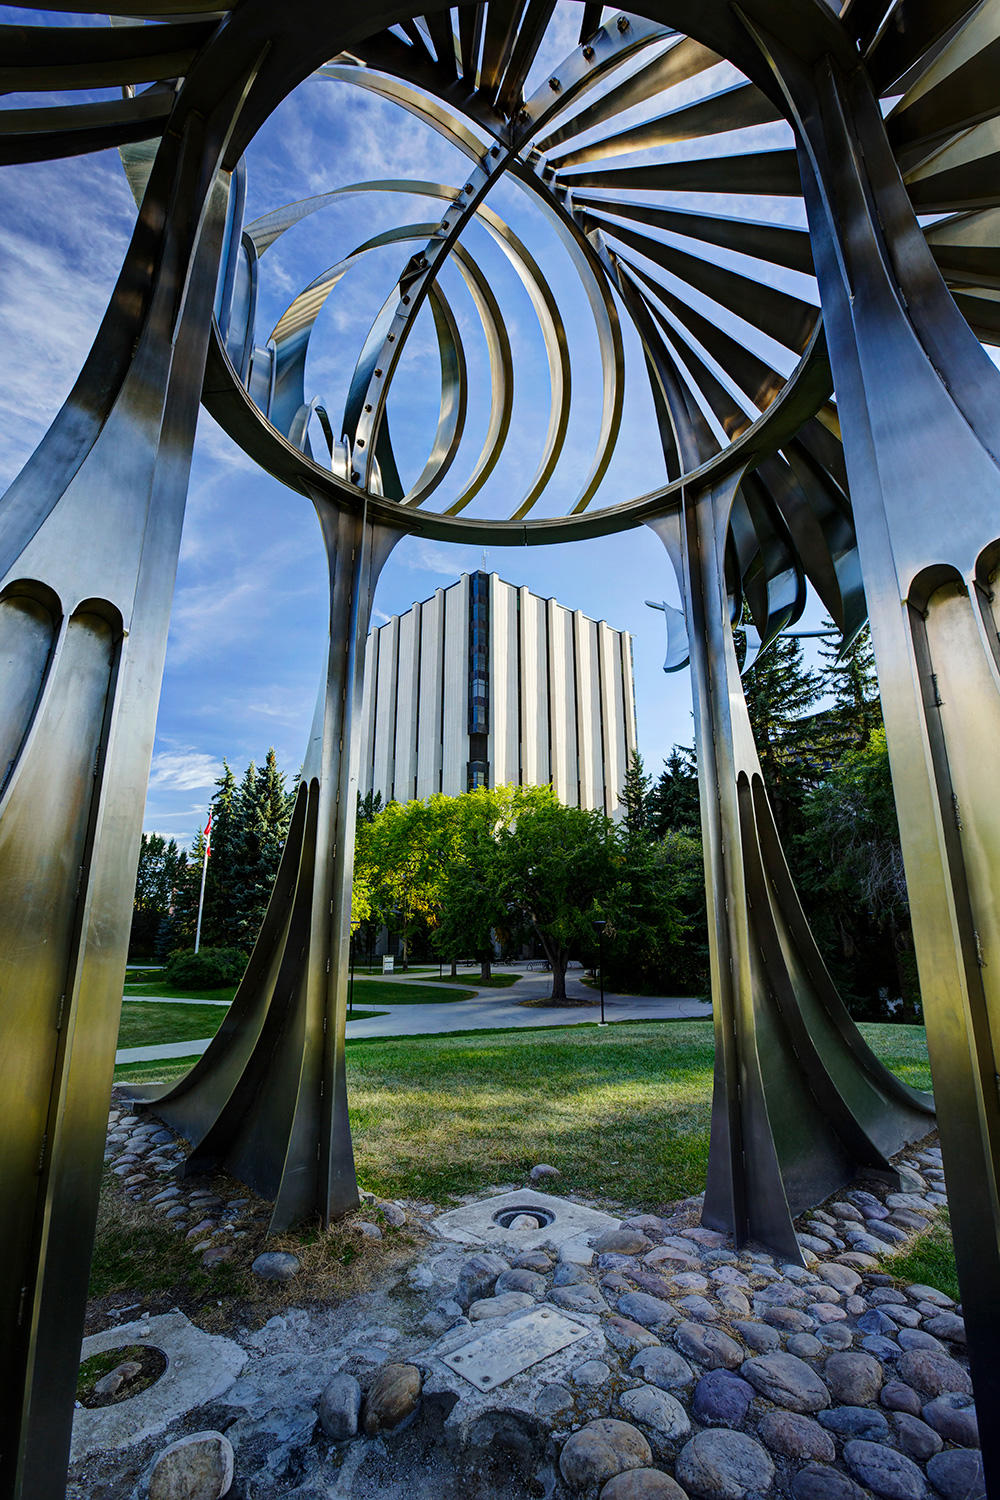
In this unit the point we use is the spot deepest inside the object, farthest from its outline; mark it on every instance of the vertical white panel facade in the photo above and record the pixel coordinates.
(560, 703)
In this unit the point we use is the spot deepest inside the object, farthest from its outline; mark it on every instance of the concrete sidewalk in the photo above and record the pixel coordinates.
(488, 1009)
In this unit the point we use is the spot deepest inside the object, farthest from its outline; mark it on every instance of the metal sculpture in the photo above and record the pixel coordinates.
(761, 496)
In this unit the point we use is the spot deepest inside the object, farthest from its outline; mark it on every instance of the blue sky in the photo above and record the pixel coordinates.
(246, 645)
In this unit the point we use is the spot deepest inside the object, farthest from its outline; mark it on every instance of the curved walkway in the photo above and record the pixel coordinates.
(488, 1008)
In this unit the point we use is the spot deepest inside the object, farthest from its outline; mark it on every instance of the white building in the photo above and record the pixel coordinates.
(486, 683)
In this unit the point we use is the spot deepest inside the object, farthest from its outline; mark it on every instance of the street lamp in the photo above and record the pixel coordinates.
(600, 923)
(350, 987)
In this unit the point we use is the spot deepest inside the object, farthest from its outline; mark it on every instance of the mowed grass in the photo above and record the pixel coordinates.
(623, 1113)
(496, 981)
(388, 992)
(159, 988)
(929, 1260)
(148, 1023)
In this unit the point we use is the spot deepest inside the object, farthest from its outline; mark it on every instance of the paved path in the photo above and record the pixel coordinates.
(489, 1008)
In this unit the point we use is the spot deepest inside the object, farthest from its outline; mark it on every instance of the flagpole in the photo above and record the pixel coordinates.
(204, 872)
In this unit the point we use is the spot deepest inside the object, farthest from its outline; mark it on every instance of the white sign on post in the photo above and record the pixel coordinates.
(388, 963)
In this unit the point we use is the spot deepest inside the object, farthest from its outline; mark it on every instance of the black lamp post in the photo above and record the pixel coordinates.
(600, 923)
(350, 987)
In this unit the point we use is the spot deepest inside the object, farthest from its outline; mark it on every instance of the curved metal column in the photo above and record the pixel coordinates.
(801, 1104)
(268, 1098)
(919, 403)
(89, 537)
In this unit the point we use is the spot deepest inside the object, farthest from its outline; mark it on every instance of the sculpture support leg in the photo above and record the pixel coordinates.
(919, 401)
(89, 537)
(268, 1098)
(800, 1102)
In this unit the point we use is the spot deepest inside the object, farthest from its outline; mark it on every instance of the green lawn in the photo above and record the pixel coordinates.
(496, 981)
(142, 1025)
(929, 1260)
(159, 987)
(623, 1113)
(389, 992)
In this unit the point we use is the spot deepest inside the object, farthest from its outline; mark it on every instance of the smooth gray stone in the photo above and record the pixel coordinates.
(795, 1436)
(655, 1409)
(627, 1336)
(555, 1398)
(712, 1348)
(876, 1321)
(582, 1299)
(698, 1307)
(276, 1265)
(880, 1347)
(518, 1280)
(759, 1336)
(663, 1367)
(889, 1474)
(199, 1467)
(622, 1242)
(933, 1374)
(897, 1396)
(886, 1296)
(478, 1277)
(805, 1345)
(820, 1482)
(915, 1438)
(921, 1293)
(957, 1474)
(787, 1381)
(642, 1484)
(339, 1408)
(954, 1417)
(854, 1379)
(591, 1372)
(724, 1465)
(651, 1312)
(721, 1398)
(600, 1450)
(567, 1274)
(835, 1336)
(857, 1422)
(947, 1326)
(487, 1308)
(903, 1317)
(916, 1338)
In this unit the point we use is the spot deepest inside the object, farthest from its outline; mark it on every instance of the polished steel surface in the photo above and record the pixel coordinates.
(883, 498)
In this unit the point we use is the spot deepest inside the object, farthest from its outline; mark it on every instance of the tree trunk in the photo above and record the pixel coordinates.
(454, 968)
(485, 973)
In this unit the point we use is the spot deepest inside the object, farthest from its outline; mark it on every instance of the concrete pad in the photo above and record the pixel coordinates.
(479, 1223)
(200, 1367)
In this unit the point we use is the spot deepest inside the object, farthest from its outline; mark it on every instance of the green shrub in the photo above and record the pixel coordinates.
(210, 968)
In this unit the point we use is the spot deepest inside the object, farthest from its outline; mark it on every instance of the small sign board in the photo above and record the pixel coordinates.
(388, 963)
(498, 1356)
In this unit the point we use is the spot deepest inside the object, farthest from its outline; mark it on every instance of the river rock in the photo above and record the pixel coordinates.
(896, 1396)
(662, 1367)
(916, 1338)
(478, 1277)
(339, 1408)
(580, 1299)
(712, 1348)
(639, 1307)
(857, 1422)
(542, 1171)
(915, 1438)
(500, 1306)
(759, 1336)
(724, 1465)
(853, 1378)
(535, 1260)
(721, 1399)
(519, 1280)
(392, 1398)
(276, 1265)
(843, 1278)
(933, 1374)
(656, 1409)
(787, 1381)
(954, 1417)
(622, 1242)
(626, 1336)
(948, 1326)
(567, 1274)
(642, 1484)
(805, 1345)
(199, 1467)
(888, 1474)
(795, 1436)
(957, 1474)
(820, 1482)
(601, 1450)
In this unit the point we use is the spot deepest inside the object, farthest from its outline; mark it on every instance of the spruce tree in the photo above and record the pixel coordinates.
(673, 801)
(780, 690)
(635, 797)
(851, 680)
(220, 916)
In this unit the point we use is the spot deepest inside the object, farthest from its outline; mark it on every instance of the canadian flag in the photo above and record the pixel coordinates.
(208, 836)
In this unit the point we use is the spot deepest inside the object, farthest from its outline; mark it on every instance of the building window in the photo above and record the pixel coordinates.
(478, 774)
(479, 653)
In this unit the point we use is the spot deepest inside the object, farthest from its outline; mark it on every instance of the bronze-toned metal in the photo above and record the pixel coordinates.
(889, 492)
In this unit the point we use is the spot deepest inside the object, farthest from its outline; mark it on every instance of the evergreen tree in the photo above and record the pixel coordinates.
(635, 797)
(850, 679)
(160, 864)
(219, 922)
(780, 690)
(673, 801)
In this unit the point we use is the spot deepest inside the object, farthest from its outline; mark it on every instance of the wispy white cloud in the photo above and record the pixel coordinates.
(186, 770)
